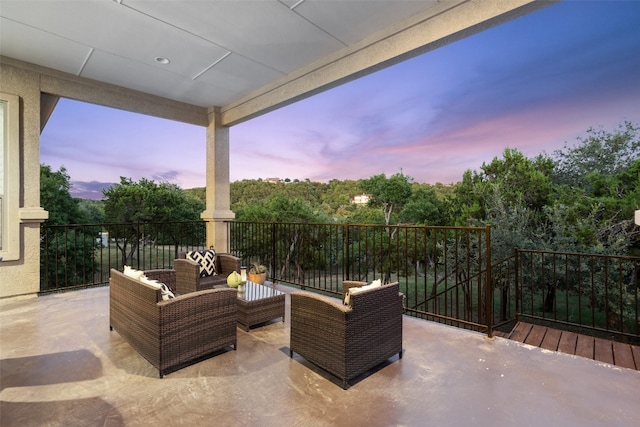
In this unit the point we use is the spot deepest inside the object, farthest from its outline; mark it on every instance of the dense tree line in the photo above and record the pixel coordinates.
(580, 198)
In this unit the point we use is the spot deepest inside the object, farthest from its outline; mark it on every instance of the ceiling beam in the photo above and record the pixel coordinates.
(447, 22)
(55, 83)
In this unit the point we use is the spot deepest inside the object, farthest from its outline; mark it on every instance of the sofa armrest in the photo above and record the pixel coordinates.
(166, 276)
(202, 304)
(197, 324)
(187, 275)
(195, 315)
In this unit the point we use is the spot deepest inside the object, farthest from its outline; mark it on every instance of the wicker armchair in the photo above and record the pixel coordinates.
(188, 273)
(171, 334)
(349, 340)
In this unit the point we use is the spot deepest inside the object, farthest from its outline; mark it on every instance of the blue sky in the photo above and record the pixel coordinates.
(534, 84)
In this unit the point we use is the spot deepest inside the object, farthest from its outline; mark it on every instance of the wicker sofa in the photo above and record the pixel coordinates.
(188, 273)
(347, 341)
(173, 333)
(166, 276)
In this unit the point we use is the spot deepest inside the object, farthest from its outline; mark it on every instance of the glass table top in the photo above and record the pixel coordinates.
(255, 292)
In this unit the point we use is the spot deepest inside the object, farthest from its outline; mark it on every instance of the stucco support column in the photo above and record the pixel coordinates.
(218, 189)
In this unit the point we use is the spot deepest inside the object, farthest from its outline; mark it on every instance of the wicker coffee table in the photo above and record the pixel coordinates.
(258, 304)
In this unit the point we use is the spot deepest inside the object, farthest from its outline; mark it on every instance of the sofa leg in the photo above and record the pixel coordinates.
(400, 354)
(290, 353)
(110, 328)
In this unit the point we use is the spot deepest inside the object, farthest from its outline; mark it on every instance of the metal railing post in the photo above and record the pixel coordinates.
(518, 282)
(488, 286)
(347, 265)
(273, 250)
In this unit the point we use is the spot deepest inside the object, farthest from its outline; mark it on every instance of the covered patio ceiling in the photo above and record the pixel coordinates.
(245, 57)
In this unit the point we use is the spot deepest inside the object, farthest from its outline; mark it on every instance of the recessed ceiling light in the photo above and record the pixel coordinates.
(162, 60)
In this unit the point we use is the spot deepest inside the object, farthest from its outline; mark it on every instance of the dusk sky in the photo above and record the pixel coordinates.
(534, 83)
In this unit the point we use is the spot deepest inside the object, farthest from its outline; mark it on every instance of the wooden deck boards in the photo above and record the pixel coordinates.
(622, 356)
(602, 350)
(568, 342)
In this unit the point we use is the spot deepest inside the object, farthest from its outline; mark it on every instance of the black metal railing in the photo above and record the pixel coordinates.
(589, 293)
(81, 255)
(442, 271)
(504, 291)
(445, 273)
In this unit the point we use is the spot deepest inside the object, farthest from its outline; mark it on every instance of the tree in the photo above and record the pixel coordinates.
(521, 178)
(250, 191)
(600, 152)
(129, 204)
(91, 211)
(599, 178)
(390, 194)
(66, 254)
(56, 198)
(467, 202)
(296, 242)
(364, 214)
(198, 192)
(517, 178)
(145, 200)
(423, 208)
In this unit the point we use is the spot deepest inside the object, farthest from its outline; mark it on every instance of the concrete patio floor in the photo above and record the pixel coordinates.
(61, 366)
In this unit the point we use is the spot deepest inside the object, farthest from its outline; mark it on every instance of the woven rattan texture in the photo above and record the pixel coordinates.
(347, 341)
(188, 273)
(166, 276)
(252, 312)
(171, 334)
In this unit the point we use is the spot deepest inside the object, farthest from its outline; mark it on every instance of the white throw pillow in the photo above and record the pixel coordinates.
(132, 272)
(166, 292)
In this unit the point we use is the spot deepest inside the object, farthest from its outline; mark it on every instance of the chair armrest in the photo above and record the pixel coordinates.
(318, 331)
(387, 297)
(227, 263)
(348, 284)
(311, 301)
(315, 315)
